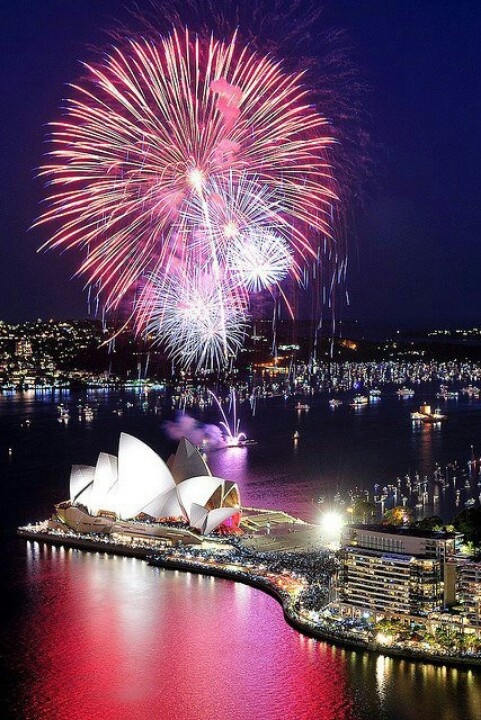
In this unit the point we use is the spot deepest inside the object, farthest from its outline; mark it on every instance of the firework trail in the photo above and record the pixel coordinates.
(193, 173)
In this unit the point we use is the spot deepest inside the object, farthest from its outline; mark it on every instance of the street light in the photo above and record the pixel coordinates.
(332, 523)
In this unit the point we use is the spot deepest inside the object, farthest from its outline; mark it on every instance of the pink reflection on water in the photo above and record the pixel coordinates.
(110, 637)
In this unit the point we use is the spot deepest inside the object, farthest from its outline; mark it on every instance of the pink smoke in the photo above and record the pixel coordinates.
(225, 153)
(228, 101)
(198, 433)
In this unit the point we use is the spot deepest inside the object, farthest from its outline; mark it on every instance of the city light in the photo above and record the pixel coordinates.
(384, 639)
(332, 523)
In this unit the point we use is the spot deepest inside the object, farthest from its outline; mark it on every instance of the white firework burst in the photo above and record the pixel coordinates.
(259, 259)
(196, 325)
(234, 205)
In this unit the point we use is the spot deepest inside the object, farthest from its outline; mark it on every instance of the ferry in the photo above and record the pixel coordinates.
(424, 414)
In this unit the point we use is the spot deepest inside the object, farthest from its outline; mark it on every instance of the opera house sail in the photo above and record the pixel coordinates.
(130, 492)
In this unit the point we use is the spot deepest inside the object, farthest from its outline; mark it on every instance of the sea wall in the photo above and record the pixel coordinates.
(303, 626)
(292, 617)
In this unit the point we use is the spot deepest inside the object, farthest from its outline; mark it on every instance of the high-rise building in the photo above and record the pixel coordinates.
(469, 590)
(390, 571)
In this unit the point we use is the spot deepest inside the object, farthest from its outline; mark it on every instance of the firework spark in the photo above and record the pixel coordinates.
(259, 259)
(183, 312)
(172, 149)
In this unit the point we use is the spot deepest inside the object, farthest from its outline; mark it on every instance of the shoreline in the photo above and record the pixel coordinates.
(263, 583)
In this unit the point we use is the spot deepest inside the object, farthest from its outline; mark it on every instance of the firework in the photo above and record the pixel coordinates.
(184, 313)
(171, 151)
(259, 259)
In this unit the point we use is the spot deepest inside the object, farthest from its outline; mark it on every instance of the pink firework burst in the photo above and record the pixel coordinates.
(158, 142)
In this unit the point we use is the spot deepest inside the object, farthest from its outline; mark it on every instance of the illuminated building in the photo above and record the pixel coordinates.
(119, 492)
(469, 590)
(23, 348)
(388, 571)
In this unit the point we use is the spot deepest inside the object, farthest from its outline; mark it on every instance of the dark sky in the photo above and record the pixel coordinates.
(417, 253)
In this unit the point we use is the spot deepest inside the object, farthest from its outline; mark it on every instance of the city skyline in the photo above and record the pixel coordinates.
(414, 256)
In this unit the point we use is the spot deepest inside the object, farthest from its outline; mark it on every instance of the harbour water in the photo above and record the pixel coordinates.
(92, 636)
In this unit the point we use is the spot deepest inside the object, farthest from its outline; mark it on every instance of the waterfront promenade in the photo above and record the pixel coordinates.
(301, 585)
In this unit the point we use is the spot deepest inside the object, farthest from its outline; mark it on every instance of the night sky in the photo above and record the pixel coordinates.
(416, 255)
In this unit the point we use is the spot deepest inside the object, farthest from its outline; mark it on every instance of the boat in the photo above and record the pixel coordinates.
(470, 502)
(471, 391)
(375, 393)
(424, 414)
(63, 413)
(334, 402)
(405, 392)
(359, 400)
(447, 395)
(302, 407)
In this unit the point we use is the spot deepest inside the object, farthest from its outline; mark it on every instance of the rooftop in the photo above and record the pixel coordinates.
(407, 531)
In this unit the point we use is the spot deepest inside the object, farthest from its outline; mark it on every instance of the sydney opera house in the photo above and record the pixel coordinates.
(137, 493)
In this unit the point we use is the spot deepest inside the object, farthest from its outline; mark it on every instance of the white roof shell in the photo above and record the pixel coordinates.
(143, 475)
(188, 462)
(197, 490)
(81, 477)
(216, 517)
(198, 514)
(104, 488)
(140, 481)
(165, 505)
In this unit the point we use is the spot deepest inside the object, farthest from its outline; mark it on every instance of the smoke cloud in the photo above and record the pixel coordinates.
(197, 432)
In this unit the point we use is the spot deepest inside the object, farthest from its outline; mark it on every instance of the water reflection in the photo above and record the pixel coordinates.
(230, 462)
(93, 636)
(106, 637)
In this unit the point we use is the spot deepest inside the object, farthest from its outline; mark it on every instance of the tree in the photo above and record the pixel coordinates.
(398, 515)
(468, 522)
(433, 522)
(363, 511)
